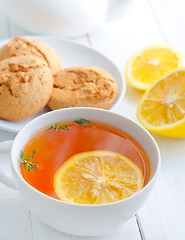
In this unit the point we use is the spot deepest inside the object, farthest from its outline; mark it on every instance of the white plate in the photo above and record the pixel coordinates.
(71, 54)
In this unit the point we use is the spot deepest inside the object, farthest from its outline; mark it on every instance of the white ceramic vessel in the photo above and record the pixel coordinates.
(68, 18)
(80, 219)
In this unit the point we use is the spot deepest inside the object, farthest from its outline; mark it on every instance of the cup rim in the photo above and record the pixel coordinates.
(149, 183)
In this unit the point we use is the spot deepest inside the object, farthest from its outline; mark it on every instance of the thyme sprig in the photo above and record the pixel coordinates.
(59, 126)
(83, 122)
(24, 160)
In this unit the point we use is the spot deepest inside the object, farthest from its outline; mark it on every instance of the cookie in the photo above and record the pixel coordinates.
(26, 84)
(21, 46)
(83, 86)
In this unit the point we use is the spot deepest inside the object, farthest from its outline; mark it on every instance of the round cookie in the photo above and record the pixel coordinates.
(83, 86)
(22, 46)
(26, 84)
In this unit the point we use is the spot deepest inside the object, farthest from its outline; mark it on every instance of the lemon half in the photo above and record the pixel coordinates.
(97, 177)
(151, 63)
(162, 108)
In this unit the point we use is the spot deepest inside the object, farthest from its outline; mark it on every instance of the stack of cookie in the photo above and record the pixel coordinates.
(31, 77)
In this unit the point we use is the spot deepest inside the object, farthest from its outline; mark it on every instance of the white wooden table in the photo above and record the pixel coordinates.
(163, 215)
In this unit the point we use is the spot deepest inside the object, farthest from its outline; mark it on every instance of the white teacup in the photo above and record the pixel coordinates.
(80, 219)
(68, 18)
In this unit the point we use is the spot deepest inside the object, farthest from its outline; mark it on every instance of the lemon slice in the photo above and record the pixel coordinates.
(162, 108)
(97, 177)
(151, 63)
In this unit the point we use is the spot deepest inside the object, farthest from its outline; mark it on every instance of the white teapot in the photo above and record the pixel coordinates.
(68, 18)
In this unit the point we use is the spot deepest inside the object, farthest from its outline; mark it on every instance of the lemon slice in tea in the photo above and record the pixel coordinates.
(162, 108)
(151, 63)
(97, 177)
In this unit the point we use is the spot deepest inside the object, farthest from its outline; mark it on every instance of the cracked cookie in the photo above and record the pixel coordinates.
(83, 86)
(22, 46)
(26, 84)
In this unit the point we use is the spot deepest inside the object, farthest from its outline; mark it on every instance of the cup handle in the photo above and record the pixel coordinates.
(5, 177)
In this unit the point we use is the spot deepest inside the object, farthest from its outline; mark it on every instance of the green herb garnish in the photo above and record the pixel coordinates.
(59, 126)
(24, 160)
(83, 122)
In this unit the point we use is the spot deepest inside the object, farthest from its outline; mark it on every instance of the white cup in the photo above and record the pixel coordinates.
(80, 219)
(68, 18)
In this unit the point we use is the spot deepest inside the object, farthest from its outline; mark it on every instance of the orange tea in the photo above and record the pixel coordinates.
(46, 152)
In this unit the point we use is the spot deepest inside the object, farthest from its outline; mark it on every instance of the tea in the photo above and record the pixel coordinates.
(50, 148)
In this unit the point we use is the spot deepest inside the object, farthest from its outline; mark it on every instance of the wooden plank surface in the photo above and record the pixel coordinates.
(169, 15)
(167, 221)
(163, 215)
(41, 231)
